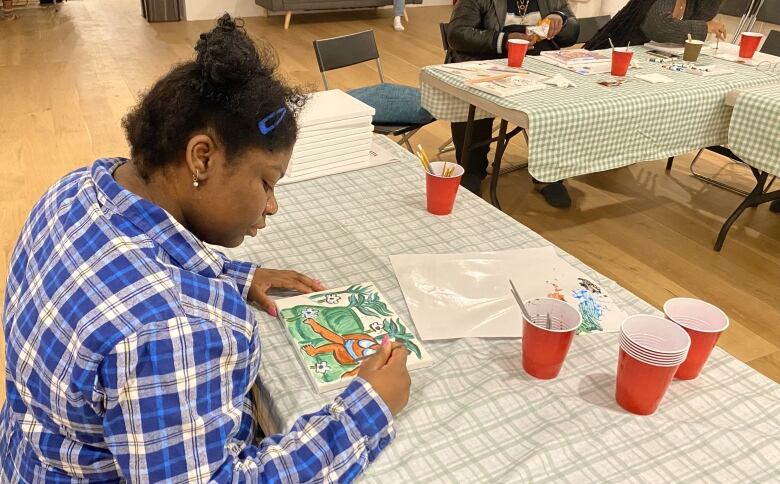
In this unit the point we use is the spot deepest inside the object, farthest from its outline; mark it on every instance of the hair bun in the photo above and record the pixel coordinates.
(226, 54)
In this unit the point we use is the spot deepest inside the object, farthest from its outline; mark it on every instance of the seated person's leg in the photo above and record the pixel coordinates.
(476, 171)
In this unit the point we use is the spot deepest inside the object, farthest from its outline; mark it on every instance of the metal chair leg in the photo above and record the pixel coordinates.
(713, 181)
(405, 139)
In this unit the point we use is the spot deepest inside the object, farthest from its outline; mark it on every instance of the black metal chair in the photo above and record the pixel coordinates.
(589, 26)
(348, 50)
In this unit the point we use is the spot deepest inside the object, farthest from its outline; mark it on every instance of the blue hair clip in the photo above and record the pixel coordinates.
(270, 122)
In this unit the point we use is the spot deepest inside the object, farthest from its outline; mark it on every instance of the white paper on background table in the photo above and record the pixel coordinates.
(331, 331)
(467, 295)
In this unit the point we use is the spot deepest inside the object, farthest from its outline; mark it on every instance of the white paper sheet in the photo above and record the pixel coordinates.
(467, 295)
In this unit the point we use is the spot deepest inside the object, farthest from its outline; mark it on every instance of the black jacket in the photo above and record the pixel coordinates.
(475, 26)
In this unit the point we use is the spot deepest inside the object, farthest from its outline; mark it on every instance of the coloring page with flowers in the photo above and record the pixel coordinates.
(334, 330)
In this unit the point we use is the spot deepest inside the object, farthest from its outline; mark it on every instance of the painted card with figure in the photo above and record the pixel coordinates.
(333, 331)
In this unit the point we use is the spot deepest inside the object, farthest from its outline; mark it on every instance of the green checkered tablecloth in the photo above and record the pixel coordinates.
(591, 128)
(754, 133)
(475, 416)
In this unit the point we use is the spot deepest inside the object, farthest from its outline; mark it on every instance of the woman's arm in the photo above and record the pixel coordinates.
(571, 28)
(464, 33)
(175, 401)
(660, 26)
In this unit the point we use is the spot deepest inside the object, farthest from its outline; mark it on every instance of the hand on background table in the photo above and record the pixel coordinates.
(717, 28)
(529, 37)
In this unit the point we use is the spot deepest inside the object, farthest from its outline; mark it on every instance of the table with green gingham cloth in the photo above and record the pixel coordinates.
(754, 133)
(475, 416)
(590, 128)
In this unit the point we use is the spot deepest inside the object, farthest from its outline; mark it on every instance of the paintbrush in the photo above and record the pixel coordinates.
(610, 43)
(520, 302)
(425, 164)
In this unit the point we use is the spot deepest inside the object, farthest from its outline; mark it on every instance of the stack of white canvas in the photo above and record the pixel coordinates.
(335, 136)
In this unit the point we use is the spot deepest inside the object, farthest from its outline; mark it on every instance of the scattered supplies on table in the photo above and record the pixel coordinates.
(467, 295)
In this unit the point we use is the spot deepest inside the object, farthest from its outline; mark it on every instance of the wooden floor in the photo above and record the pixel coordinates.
(67, 78)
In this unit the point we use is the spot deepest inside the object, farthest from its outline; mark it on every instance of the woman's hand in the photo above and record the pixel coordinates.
(386, 371)
(265, 279)
(556, 25)
(717, 28)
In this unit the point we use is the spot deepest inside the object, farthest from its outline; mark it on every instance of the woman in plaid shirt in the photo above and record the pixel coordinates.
(131, 350)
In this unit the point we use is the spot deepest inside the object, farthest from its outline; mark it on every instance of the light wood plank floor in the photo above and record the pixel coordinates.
(67, 77)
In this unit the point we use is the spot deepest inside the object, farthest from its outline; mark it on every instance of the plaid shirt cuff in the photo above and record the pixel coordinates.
(369, 413)
(242, 273)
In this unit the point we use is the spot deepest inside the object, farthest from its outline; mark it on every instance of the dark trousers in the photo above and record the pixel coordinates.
(478, 157)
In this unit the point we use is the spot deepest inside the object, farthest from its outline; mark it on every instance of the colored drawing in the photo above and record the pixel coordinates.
(334, 330)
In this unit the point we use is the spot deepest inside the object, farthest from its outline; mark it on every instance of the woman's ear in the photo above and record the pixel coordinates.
(200, 155)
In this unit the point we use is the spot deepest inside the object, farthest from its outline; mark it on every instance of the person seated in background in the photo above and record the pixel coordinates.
(398, 12)
(666, 21)
(480, 30)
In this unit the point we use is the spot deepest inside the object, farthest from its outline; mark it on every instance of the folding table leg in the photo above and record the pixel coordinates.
(751, 200)
(466, 148)
(669, 163)
(500, 147)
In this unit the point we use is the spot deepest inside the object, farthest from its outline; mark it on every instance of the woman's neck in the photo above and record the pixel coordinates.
(156, 189)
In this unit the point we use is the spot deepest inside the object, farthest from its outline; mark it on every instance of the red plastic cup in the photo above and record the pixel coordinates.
(516, 49)
(641, 386)
(748, 43)
(651, 351)
(441, 191)
(704, 323)
(621, 59)
(544, 350)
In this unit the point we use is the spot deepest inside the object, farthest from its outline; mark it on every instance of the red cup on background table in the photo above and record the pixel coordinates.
(651, 351)
(545, 349)
(704, 323)
(516, 49)
(621, 59)
(441, 191)
(748, 44)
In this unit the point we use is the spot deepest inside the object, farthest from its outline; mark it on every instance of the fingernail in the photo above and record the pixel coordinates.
(272, 311)
(385, 340)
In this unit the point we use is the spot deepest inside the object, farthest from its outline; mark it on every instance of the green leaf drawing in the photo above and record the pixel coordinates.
(413, 348)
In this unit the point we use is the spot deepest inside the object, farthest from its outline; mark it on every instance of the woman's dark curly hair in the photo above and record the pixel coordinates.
(230, 87)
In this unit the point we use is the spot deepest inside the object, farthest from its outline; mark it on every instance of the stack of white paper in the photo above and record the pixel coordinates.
(335, 136)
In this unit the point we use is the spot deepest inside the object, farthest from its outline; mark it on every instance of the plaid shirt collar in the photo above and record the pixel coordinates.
(179, 243)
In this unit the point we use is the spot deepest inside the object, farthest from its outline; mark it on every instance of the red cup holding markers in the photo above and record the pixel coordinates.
(651, 351)
(748, 44)
(621, 59)
(548, 336)
(516, 49)
(441, 190)
(704, 323)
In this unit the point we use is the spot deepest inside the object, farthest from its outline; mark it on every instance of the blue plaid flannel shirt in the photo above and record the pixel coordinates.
(131, 352)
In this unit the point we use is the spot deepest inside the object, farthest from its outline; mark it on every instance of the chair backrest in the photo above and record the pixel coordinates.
(443, 31)
(590, 25)
(345, 51)
(772, 43)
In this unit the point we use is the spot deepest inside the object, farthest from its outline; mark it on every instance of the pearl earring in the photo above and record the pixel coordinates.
(195, 179)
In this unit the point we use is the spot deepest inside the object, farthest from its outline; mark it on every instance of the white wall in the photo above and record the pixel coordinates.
(211, 9)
